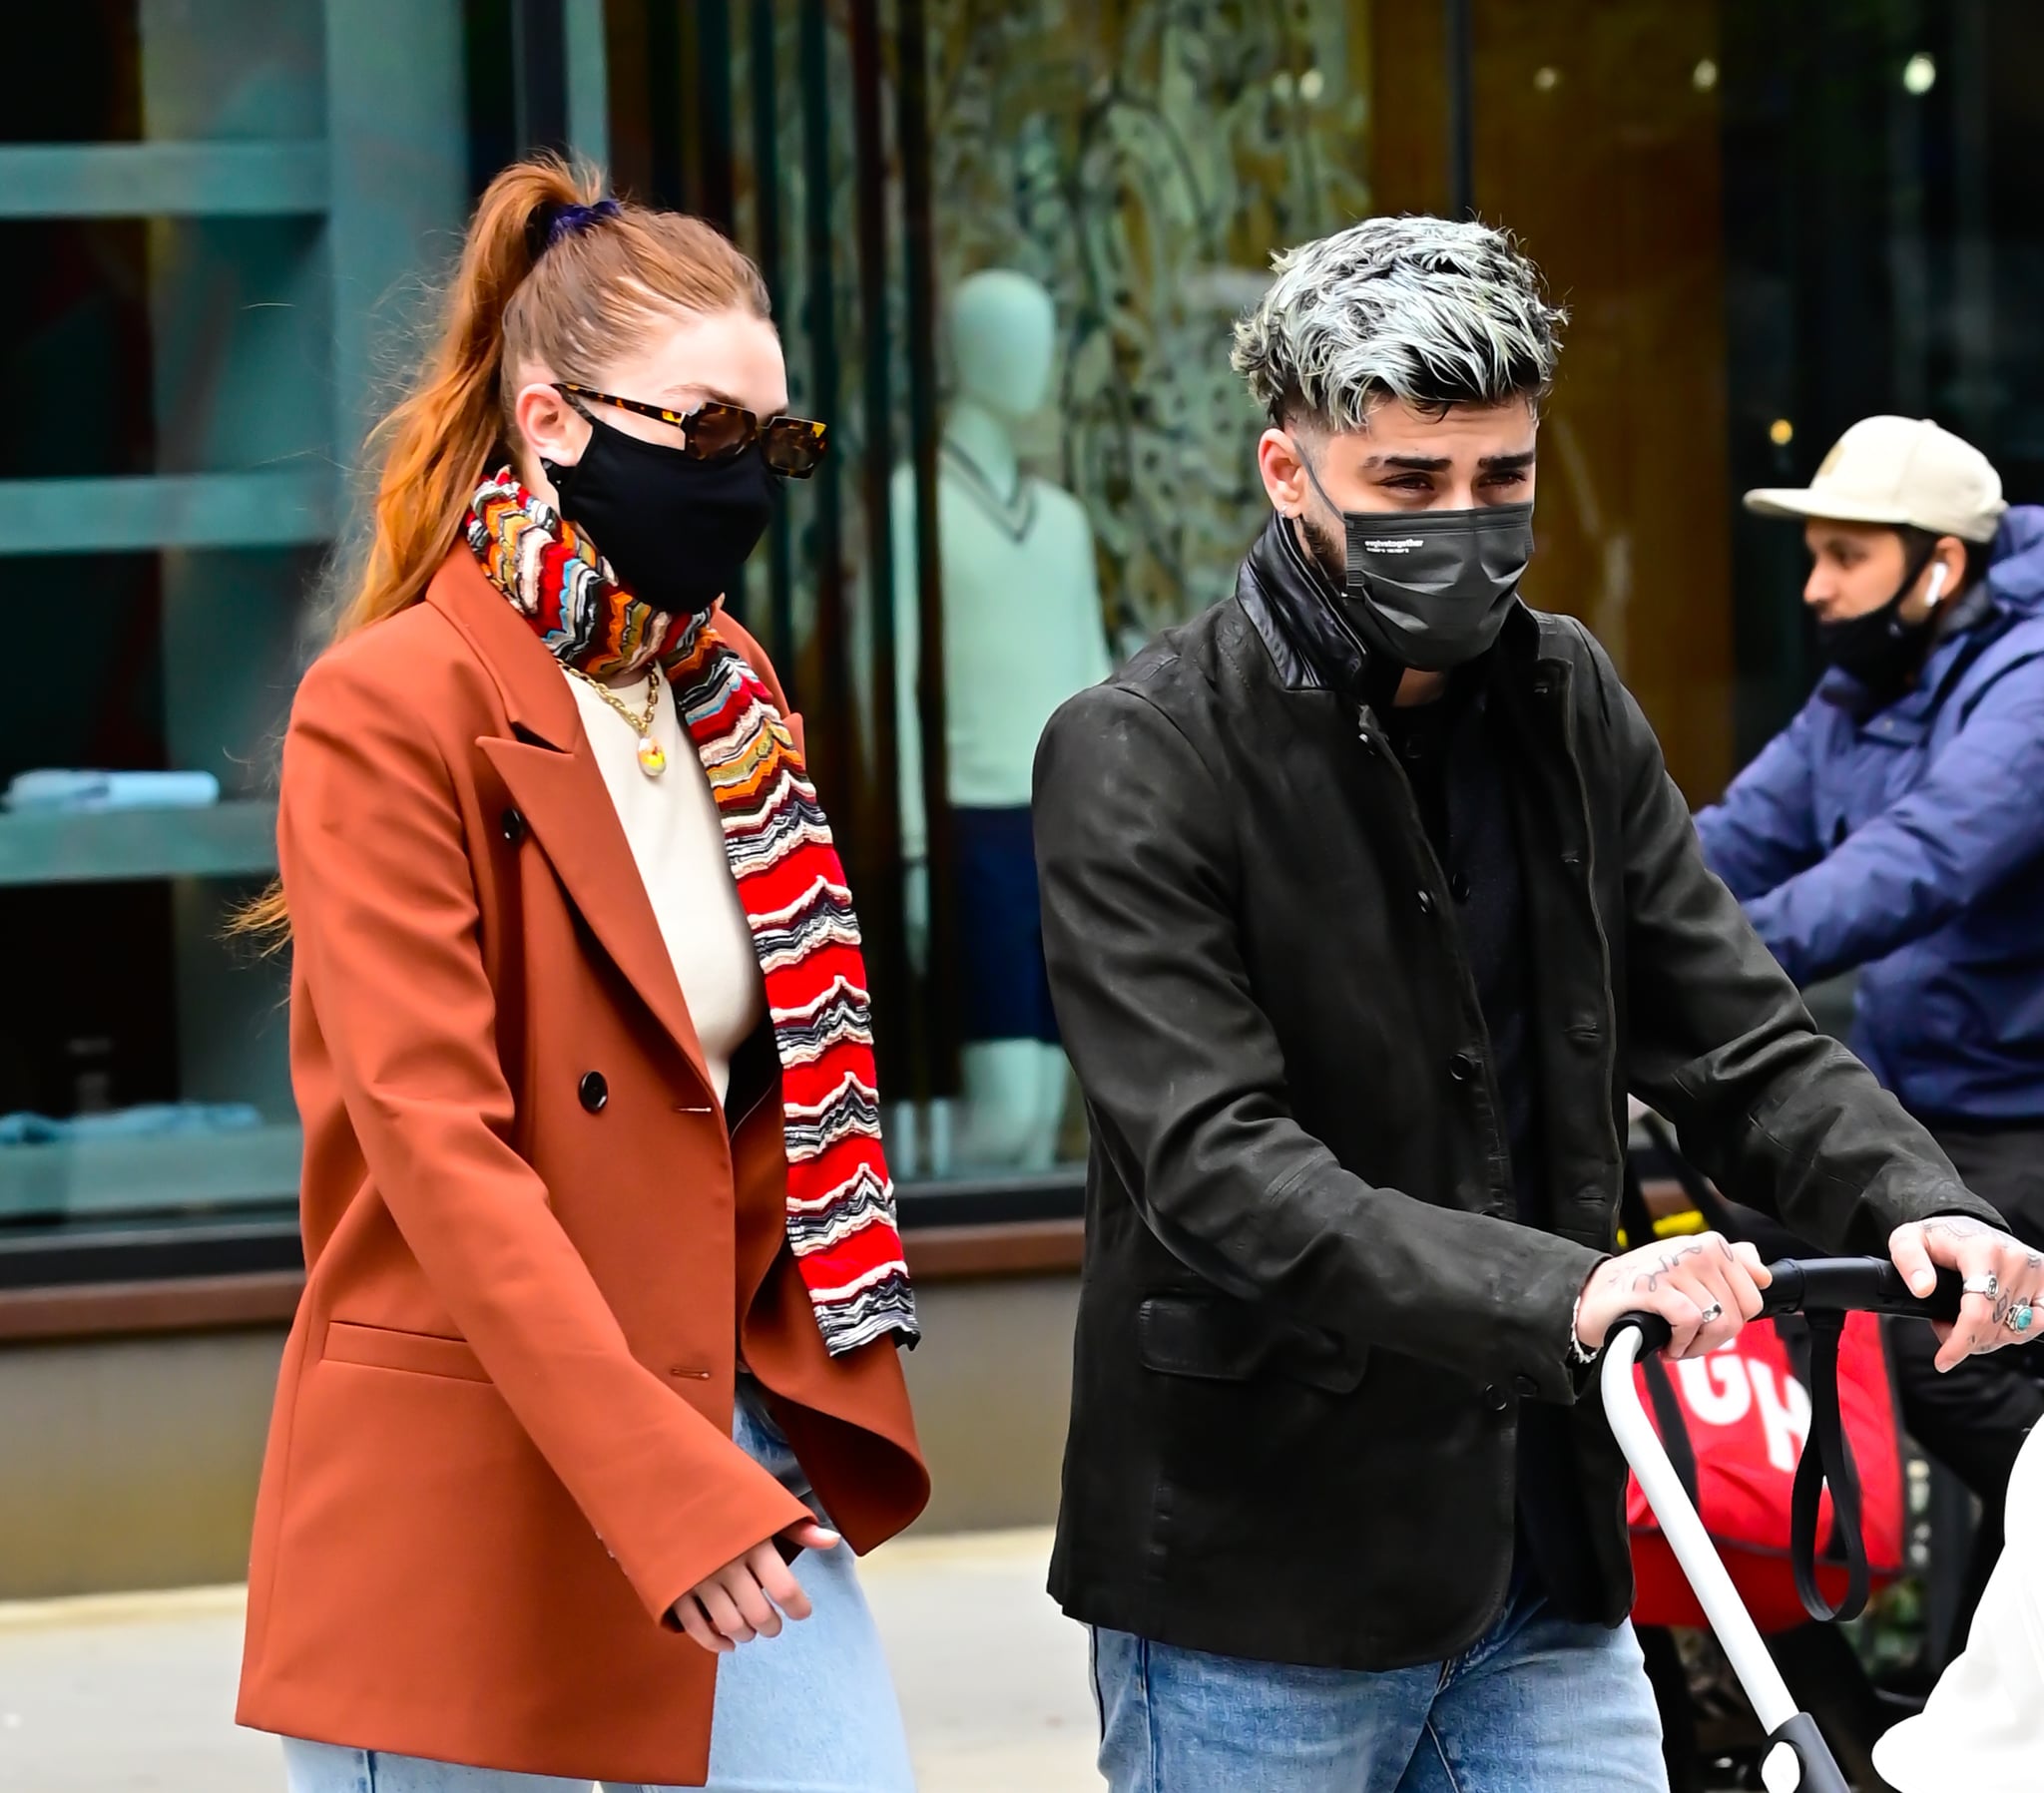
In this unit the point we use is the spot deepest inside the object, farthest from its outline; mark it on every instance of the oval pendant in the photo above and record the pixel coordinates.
(652, 758)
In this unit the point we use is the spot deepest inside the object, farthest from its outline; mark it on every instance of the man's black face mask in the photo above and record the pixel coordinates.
(1428, 589)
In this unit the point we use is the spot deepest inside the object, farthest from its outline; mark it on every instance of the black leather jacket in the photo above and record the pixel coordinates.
(1306, 1323)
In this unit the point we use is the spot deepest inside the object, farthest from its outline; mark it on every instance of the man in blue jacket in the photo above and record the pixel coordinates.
(1897, 828)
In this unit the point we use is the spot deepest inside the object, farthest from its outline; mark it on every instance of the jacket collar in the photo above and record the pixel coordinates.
(550, 772)
(1286, 597)
(537, 697)
(1287, 600)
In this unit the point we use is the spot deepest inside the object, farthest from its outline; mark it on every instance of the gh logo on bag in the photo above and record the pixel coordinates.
(1719, 1389)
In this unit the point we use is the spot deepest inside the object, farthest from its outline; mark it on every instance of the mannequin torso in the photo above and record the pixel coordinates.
(1022, 623)
(1022, 632)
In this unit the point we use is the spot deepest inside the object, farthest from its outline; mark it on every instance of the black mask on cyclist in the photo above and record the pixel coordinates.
(675, 530)
(1881, 649)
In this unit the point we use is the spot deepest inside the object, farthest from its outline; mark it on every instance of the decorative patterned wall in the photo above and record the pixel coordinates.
(1144, 161)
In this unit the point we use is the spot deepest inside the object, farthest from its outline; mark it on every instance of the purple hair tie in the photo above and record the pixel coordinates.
(554, 222)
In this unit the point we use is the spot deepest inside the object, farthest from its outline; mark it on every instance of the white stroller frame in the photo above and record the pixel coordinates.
(1798, 1757)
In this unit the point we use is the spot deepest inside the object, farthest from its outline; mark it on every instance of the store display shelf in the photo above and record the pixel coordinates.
(228, 840)
(222, 1171)
(163, 180)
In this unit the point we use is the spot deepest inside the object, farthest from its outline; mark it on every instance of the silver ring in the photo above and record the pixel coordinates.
(2019, 1318)
(1716, 1311)
(1988, 1285)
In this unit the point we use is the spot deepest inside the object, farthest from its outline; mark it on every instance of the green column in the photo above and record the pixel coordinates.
(588, 94)
(241, 322)
(398, 146)
(268, 335)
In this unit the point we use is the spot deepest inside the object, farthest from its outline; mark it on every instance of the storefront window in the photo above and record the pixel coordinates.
(209, 212)
(1093, 487)
(1105, 187)
(1006, 244)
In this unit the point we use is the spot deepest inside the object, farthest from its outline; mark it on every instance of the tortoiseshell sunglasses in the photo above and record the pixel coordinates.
(714, 431)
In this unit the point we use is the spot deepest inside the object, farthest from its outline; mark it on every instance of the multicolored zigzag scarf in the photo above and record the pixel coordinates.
(840, 1200)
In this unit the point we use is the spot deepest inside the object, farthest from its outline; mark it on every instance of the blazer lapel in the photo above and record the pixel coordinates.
(552, 776)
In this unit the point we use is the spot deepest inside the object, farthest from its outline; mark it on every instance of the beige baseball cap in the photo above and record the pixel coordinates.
(1897, 470)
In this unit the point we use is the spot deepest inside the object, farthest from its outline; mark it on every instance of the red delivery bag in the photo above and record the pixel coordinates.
(1735, 1422)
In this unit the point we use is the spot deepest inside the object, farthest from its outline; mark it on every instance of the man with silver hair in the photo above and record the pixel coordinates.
(1366, 900)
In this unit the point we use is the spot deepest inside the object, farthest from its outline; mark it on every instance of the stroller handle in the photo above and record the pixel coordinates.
(1855, 1285)
(1829, 1285)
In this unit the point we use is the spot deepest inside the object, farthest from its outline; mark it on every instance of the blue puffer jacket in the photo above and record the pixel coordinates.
(1911, 842)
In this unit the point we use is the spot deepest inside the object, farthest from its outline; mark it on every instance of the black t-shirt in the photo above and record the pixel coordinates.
(1452, 759)
(1457, 755)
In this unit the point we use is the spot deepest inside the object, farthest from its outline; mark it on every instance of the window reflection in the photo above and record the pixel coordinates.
(1040, 348)
(1106, 189)
(1023, 629)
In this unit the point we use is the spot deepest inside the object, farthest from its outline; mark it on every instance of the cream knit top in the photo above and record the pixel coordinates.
(677, 841)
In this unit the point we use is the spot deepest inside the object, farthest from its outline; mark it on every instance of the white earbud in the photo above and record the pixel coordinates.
(1936, 590)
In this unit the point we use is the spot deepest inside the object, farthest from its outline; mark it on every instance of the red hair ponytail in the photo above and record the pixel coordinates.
(515, 300)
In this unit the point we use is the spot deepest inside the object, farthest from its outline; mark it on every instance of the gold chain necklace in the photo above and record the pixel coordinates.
(652, 756)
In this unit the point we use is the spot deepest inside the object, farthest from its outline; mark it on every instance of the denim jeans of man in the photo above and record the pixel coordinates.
(1540, 1705)
(809, 1711)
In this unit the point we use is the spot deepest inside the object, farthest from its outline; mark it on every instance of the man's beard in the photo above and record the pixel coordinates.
(1332, 555)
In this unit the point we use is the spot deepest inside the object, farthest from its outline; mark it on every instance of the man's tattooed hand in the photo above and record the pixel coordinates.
(1978, 1253)
(1683, 1283)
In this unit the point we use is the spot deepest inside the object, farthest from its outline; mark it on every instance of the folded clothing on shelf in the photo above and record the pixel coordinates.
(152, 1121)
(87, 792)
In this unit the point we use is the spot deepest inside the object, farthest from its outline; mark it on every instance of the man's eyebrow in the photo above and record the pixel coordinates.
(1426, 463)
(1410, 463)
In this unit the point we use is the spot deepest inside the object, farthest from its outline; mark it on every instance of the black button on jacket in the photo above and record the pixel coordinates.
(1303, 1290)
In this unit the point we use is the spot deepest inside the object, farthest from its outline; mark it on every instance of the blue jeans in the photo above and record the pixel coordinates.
(1540, 1705)
(809, 1711)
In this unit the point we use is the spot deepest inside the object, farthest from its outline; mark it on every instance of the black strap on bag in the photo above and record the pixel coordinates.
(1827, 1457)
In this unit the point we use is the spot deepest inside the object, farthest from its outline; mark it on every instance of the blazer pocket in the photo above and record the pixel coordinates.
(417, 1353)
(1216, 1340)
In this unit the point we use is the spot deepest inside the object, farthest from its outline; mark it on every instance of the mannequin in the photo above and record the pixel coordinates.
(1022, 632)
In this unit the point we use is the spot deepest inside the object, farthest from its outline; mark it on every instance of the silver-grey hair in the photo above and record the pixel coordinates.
(1427, 309)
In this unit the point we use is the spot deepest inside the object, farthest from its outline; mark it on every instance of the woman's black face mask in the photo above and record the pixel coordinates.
(676, 530)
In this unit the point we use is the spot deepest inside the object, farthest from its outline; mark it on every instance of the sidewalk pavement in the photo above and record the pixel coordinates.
(134, 1693)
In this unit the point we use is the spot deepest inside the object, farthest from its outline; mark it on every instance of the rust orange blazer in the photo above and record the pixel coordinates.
(501, 1449)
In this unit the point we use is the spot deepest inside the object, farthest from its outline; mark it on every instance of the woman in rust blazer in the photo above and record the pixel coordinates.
(604, 1292)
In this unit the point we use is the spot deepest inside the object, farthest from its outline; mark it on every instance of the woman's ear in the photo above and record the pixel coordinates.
(553, 430)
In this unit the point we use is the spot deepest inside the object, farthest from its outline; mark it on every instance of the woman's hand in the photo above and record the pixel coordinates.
(2006, 1306)
(1704, 1287)
(746, 1598)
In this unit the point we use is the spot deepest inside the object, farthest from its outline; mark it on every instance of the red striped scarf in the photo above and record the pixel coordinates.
(790, 882)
